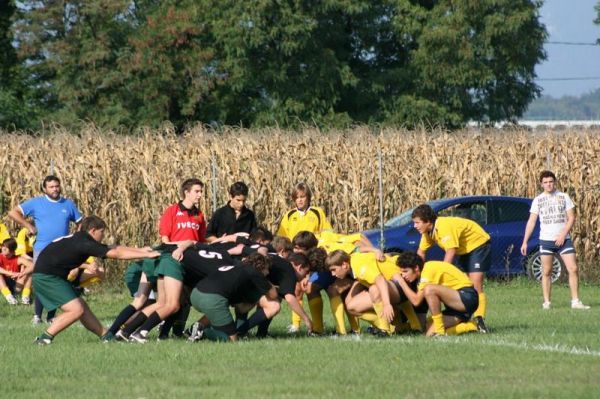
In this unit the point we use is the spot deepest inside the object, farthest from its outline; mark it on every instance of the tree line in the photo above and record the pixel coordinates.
(131, 63)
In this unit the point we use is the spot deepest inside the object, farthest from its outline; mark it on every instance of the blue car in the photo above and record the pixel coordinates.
(504, 219)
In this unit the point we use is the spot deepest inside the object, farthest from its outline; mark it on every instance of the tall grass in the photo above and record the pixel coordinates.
(129, 180)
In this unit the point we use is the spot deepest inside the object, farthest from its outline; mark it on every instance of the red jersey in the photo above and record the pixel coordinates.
(179, 224)
(10, 264)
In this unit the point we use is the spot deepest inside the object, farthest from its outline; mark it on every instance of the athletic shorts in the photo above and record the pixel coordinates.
(169, 267)
(216, 308)
(149, 269)
(469, 298)
(422, 308)
(132, 276)
(478, 260)
(550, 247)
(322, 279)
(53, 291)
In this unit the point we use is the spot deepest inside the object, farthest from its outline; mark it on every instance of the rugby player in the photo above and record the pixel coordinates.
(462, 239)
(12, 276)
(439, 283)
(58, 259)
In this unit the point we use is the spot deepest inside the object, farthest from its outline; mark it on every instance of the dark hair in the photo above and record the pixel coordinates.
(337, 257)
(305, 240)
(48, 179)
(317, 259)
(188, 184)
(92, 222)
(261, 233)
(257, 261)
(10, 243)
(299, 259)
(545, 174)
(301, 187)
(238, 188)
(425, 213)
(409, 260)
(280, 244)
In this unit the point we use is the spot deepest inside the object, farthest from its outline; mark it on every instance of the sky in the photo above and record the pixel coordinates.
(570, 21)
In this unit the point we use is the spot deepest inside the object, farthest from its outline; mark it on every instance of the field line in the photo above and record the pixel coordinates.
(549, 348)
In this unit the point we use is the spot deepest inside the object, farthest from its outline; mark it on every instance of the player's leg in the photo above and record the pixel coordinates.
(568, 257)
(266, 310)
(71, 312)
(546, 260)
(91, 322)
(25, 283)
(296, 319)
(335, 292)
(140, 298)
(435, 295)
(131, 326)
(172, 293)
(6, 290)
(377, 301)
(315, 305)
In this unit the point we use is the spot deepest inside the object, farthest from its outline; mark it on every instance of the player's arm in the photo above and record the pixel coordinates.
(7, 273)
(27, 265)
(529, 227)
(449, 255)
(295, 306)
(560, 240)
(414, 297)
(272, 293)
(126, 253)
(384, 291)
(16, 214)
(181, 247)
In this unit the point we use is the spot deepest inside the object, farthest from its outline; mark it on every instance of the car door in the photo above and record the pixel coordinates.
(510, 217)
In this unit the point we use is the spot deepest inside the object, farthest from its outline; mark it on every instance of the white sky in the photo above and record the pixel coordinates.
(570, 21)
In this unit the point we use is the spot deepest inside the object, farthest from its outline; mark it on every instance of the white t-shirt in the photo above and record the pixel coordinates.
(552, 213)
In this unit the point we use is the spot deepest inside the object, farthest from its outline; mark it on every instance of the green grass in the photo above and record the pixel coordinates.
(530, 353)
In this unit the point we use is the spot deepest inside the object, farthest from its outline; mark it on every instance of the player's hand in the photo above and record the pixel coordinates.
(524, 249)
(153, 254)
(177, 254)
(560, 240)
(237, 250)
(73, 274)
(388, 312)
(31, 231)
(147, 248)
(380, 256)
(92, 268)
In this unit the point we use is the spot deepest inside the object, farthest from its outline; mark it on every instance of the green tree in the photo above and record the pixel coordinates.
(17, 110)
(115, 62)
(265, 62)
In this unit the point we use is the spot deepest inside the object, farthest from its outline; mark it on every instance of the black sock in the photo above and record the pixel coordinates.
(257, 318)
(182, 317)
(38, 308)
(240, 318)
(51, 315)
(263, 328)
(125, 314)
(135, 323)
(166, 327)
(152, 321)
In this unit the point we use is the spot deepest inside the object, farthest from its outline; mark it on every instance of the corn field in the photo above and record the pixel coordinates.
(129, 180)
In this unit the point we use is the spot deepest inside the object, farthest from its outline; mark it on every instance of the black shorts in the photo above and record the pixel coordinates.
(422, 308)
(478, 260)
(469, 298)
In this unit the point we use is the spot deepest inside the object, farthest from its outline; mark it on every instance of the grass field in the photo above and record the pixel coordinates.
(530, 353)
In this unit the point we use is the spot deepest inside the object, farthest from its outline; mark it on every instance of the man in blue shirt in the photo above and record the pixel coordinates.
(51, 216)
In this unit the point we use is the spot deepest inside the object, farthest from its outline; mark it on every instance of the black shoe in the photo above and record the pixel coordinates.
(481, 327)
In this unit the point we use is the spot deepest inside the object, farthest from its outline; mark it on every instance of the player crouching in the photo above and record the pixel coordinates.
(439, 283)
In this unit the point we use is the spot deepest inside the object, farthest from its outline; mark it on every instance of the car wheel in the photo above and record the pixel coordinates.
(534, 268)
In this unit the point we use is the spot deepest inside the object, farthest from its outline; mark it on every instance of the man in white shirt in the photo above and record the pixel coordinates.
(557, 216)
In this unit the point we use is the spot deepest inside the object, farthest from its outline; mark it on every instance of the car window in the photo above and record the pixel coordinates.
(511, 211)
(403, 219)
(476, 211)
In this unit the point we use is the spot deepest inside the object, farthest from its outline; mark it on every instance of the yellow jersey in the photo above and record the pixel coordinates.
(452, 232)
(365, 267)
(331, 241)
(24, 242)
(295, 221)
(443, 273)
(4, 234)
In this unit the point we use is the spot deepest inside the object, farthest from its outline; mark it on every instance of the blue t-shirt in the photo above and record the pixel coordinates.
(51, 218)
